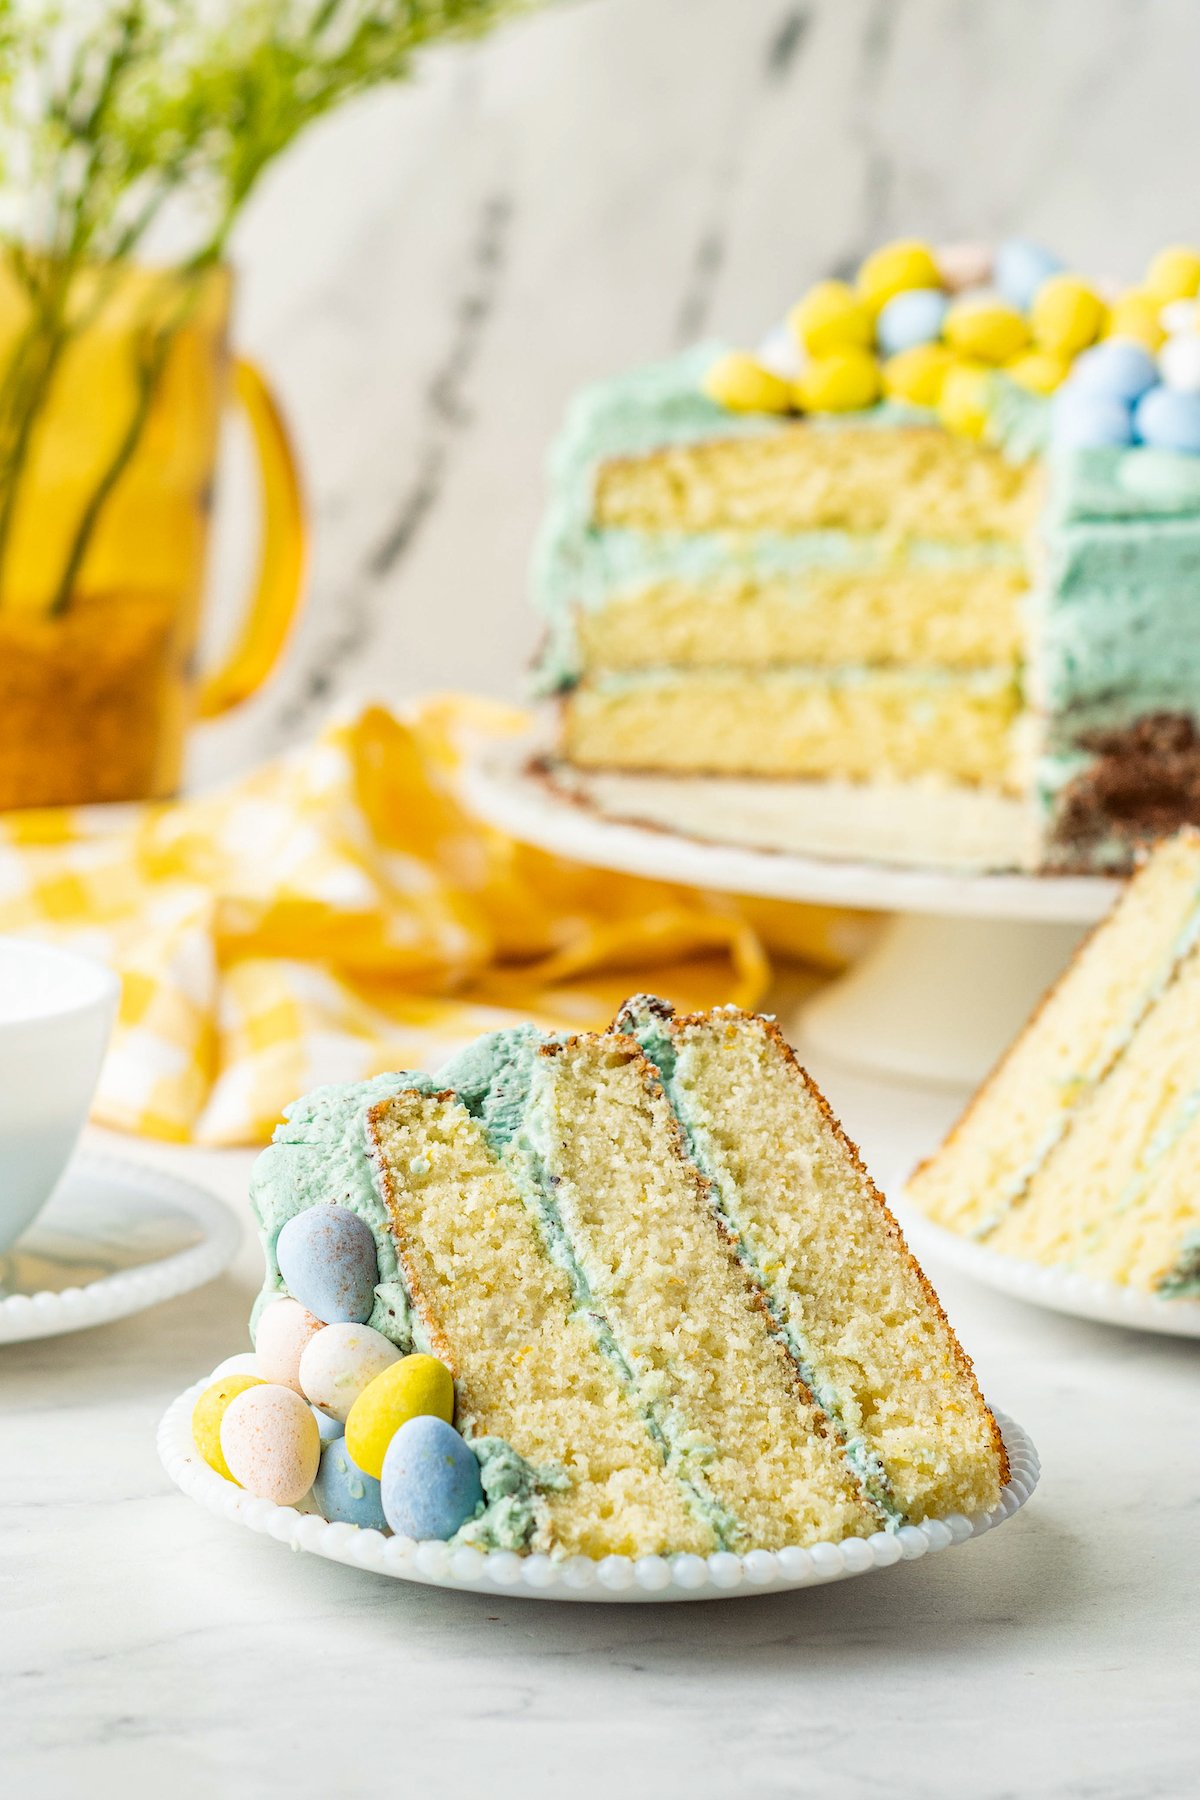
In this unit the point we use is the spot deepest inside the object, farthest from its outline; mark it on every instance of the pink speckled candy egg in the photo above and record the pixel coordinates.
(284, 1331)
(339, 1362)
(964, 265)
(272, 1446)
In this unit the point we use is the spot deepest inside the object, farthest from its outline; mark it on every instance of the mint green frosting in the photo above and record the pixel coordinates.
(508, 1515)
(1182, 1281)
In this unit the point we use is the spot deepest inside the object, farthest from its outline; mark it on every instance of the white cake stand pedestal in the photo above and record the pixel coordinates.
(953, 974)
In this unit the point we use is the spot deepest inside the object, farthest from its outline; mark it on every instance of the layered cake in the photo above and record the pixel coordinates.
(1083, 1148)
(640, 1278)
(920, 577)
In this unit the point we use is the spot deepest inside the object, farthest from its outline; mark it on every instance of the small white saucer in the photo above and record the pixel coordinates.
(115, 1238)
(1060, 1290)
(723, 1576)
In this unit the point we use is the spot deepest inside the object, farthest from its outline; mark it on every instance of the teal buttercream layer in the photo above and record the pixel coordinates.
(647, 1024)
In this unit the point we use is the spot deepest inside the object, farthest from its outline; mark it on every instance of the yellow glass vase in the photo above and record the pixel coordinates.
(104, 519)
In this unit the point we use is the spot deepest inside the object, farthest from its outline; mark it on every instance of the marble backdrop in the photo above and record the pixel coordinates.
(428, 276)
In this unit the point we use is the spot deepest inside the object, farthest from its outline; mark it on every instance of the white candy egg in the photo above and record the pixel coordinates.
(780, 353)
(339, 1362)
(271, 1444)
(1179, 315)
(1179, 362)
(283, 1331)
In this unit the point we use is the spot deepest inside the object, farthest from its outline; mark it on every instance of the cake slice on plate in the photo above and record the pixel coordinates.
(662, 1282)
(1083, 1148)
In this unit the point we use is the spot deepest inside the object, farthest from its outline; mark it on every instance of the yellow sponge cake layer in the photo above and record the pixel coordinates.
(725, 1392)
(861, 724)
(965, 617)
(914, 481)
(840, 1281)
(501, 1315)
(1081, 1030)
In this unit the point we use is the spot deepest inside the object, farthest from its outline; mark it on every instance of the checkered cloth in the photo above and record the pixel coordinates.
(337, 913)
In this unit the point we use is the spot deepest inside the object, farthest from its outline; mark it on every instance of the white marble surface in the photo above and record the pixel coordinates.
(428, 276)
(150, 1648)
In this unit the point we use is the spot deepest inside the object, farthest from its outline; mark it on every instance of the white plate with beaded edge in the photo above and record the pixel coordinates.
(1041, 1284)
(723, 1576)
(114, 1238)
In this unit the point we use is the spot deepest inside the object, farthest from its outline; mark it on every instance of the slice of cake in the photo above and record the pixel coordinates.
(884, 566)
(677, 1314)
(1083, 1148)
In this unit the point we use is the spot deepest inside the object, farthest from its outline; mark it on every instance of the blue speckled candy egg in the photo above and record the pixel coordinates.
(1084, 421)
(913, 317)
(1168, 420)
(341, 1491)
(329, 1430)
(430, 1480)
(327, 1258)
(1117, 367)
(1020, 269)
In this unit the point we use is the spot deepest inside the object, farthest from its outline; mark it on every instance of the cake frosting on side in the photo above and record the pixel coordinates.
(633, 1368)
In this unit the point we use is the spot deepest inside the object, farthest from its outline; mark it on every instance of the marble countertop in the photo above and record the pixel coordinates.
(149, 1647)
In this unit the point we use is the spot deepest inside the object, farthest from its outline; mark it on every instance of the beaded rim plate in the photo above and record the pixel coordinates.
(1059, 1290)
(115, 1238)
(722, 1576)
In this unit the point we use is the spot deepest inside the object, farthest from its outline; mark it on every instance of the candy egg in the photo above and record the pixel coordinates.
(1037, 371)
(907, 263)
(1020, 269)
(964, 404)
(327, 1258)
(740, 384)
(1168, 420)
(1084, 421)
(341, 1491)
(1179, 361)
(831, 317)
(1066, 315)
(284, 1329)
(779, 353)
(916, 375)
(208, 1412)
(329, 1430)
(913, 317)
(430, 1485)
(1135, 315)
(842, 381)
(1179, 315)
(964, 266)
(411, 1388)
(1174, 274)
(989, 330)
(339, 1362)
(1117, 367)
(271, 1444)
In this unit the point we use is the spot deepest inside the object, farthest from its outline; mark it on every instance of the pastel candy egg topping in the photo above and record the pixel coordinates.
(1037, 371)
(991, 330)
(339, 1362)
(208, 1413)
(283, 1331)
(1066, 315)
(742, 384)
(1117, 367)
(840, 381)
(1083, 420)
(343, 1492)
(270, 1442)
(414, 1387)
(893, 268)
(913, 317)
(1174, 274)
(430, 1486)
(1137, 315)
(1179, 362)
(917, 375)
(831, 317)
(1020, 269)
(1167, 420)
(327, 1258)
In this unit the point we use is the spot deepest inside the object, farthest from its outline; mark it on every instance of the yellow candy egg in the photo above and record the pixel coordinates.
(1174, 274)
(208, 1412)
(916, 374)
(411, 1388)
(1066, 315)
(843, 381)
(1037, 371)
(1134, 315)
(741, 384)
(893, 268)
(964, 405)
(831, 317)
(988, 331)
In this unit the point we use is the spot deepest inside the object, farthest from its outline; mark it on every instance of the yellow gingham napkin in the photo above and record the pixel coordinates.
(338, 913)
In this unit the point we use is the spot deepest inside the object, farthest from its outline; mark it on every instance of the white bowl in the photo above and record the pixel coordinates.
(56, 1015)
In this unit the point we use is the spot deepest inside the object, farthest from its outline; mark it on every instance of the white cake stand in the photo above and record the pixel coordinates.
(950, 978)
